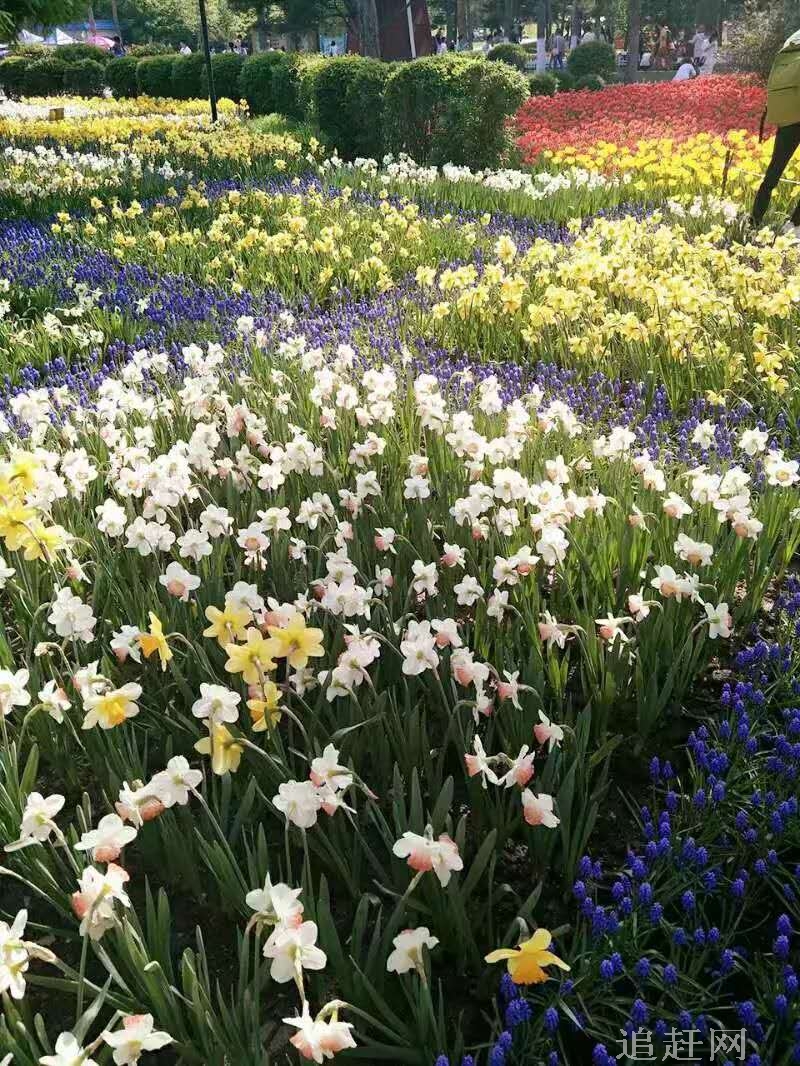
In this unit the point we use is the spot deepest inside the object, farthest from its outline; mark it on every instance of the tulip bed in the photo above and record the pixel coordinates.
(398, 620)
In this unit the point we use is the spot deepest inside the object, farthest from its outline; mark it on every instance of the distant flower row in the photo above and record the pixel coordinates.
(627, 114)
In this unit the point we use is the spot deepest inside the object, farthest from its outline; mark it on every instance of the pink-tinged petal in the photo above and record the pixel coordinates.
(420, 859)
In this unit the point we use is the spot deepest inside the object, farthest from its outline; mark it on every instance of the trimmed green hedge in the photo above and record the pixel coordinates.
(154, 75)
(590, 81)
(48, 74)
(12, 74)
(595, 57)
(227, 67)
(270, 82)
(44, 77)
(542, 85)
(350, 94)
(565, 80)
(452, 108)
(416, 99)
(513, 54)
(87, 77)
(474, 129)
(121, 77)
(78, 52)
(186, 77)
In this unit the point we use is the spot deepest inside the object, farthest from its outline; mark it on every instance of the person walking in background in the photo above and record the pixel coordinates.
(558, 47)
(710, 58)
(783, 111)
(663, 48)
(699, 45)
(117, 48)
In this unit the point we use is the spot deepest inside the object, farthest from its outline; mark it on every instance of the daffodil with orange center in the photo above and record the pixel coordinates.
(155, 641)
(251, 659)
(295, 642)
(526, 963)
(229, 624)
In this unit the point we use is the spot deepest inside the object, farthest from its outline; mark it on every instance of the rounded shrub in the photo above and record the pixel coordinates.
(307, 70)
(44, 77)
(364, 105)
(590, 81)
(143, 51)
(513, 54)
(32, 51)
(542, 85)
(269, 82)
(227, 67)
(564, 79)
(87, 77)
(286, 87)
(474, 130)
(187, 76)
(594, 57)
(75, 53)
(12, 74)
(121, 77)
(154, 75)
(330, 91)
(416, 99)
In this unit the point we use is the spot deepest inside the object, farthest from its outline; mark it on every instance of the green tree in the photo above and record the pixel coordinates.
(173, 21)
(14, 13)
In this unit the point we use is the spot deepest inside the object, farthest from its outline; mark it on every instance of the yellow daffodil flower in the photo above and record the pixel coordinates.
(225, 753)
(526, 963)
(155, 641)
(229, 624)
(265, 711)
(252, 660)
(295, 642)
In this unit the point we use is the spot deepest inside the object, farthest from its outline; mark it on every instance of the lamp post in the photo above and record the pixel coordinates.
(212, 95)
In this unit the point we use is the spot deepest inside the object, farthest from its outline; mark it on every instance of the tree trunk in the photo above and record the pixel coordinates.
(541, 37)
(462, 28)
(368, 27)
(461, 22)
(634, 33)
(508, 19)
(576, 19)
(115, 15)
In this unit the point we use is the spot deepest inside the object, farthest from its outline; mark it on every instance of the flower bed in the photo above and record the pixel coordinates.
(370, 554)
(624, 115)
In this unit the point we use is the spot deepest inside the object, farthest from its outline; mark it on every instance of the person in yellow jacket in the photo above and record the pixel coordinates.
(783, 111)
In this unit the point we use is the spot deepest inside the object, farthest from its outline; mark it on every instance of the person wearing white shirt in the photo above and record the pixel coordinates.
(185, 50)
(699, 46)
(685, 71)
(710, 59)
